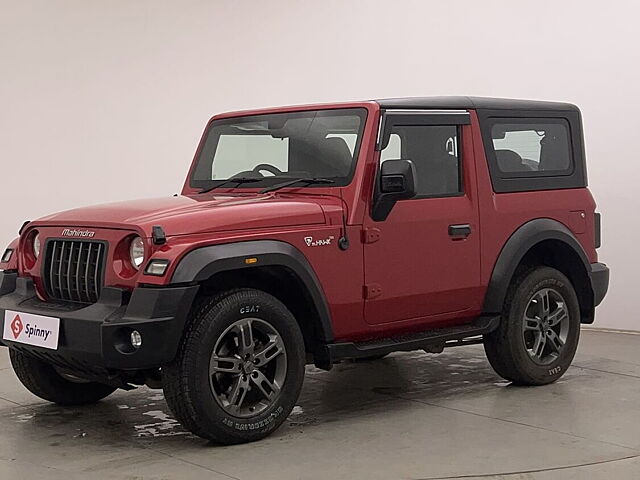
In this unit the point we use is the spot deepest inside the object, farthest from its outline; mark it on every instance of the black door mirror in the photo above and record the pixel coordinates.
(398, 181)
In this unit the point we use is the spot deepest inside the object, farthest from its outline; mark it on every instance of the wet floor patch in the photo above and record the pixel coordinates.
(408, 415)
(164, 426)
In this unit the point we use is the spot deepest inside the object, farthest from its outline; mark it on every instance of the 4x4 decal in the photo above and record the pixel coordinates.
(320, 242)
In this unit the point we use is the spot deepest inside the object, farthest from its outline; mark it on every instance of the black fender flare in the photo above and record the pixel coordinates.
(520, 242)
(202, 263)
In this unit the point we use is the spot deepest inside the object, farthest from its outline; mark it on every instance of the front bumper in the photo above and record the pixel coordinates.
(599, 282)
(91, 336)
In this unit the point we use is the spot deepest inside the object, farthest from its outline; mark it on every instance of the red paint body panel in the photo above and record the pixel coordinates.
(417, 276)
(503, 213)
(426, 277)
(195, 214)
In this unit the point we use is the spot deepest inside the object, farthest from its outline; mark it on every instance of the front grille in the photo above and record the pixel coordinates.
(73, 270)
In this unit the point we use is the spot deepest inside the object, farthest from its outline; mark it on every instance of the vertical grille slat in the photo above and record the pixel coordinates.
(54, 267)
(54, 247)
(68, 263)
(86, 272)
(60, 263)
(74, 270)
(78, 272)
(96, 284)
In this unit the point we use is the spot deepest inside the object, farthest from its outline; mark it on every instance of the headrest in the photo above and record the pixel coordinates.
(510, 161)
(337, 146)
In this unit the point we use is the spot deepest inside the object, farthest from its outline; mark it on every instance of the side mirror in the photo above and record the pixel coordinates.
(398, 181)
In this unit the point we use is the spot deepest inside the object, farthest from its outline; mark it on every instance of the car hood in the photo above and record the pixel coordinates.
(181, 215)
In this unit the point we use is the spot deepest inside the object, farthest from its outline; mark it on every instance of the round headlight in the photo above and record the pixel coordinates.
(36, 245)
(136, 252)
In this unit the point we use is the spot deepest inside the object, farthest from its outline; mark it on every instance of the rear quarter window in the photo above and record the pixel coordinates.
(526, 148)
(533, 150)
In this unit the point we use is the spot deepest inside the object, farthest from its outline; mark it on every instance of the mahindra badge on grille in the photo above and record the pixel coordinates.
(69, 232)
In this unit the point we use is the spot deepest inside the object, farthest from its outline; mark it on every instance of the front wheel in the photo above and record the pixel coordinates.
(539, 329)
(239, 369)
(46, 382)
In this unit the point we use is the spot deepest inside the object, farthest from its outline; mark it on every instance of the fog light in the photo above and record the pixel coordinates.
(157, 267)
(136, 339)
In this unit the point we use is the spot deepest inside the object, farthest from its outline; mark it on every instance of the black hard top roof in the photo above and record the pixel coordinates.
(473, 103)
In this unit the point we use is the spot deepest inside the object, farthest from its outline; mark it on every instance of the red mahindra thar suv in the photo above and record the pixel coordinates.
(314, 234)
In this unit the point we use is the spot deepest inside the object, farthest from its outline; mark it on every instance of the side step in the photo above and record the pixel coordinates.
(431, 340)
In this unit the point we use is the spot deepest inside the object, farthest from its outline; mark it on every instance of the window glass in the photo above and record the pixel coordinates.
(273, 147)
(349, 138)
(434, 152)
(393, 150)
(531, 147)
(237, 153)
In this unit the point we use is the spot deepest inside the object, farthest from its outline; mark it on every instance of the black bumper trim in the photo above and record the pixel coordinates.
(599, 282)
(89, 335)
(7, 282)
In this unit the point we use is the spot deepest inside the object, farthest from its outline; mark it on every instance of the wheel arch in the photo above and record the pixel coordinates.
(542, 241)
(279, 269)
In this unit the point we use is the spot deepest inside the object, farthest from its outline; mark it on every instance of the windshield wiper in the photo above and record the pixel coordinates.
(238, 180)
(308, 181)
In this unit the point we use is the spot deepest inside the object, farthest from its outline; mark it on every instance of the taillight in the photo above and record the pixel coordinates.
(597, 238)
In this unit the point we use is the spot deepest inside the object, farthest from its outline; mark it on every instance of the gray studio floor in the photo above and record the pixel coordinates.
(410, 416)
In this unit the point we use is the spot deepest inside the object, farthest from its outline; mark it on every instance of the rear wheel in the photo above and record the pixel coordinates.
(239, 369)
(45, 381)
(539, 330)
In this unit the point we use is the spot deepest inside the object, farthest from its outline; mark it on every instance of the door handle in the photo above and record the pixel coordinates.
(460, 231)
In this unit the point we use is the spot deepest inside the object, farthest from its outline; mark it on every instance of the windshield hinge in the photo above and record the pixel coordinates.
(370, 235)
(371, 290)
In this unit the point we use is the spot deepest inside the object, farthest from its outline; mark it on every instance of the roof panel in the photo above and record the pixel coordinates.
(473, 103)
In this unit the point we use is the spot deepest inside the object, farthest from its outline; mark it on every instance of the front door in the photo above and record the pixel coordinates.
(422, 263)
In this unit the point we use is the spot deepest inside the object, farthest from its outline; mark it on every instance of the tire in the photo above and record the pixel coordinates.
(204, 399)
(44, 381)
(534, 344)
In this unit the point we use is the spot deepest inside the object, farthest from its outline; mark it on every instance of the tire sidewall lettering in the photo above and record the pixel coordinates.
(250, 426)
(247, 309)
(555, 371)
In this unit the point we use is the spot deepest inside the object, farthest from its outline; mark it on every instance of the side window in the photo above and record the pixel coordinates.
(393, 150)
(532, 148)
(434, 151)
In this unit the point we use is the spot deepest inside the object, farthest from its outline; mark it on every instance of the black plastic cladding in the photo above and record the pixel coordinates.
(522, 240)
(202, 263)
(489, 109)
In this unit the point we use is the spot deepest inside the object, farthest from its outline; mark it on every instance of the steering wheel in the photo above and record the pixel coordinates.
(268, 168)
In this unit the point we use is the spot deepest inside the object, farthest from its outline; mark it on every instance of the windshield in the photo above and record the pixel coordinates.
(275, 147)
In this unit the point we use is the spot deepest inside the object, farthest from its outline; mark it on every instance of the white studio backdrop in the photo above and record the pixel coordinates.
(105, 101)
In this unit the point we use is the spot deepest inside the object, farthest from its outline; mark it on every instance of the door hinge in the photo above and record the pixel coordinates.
(372, 290)
(370, 235)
